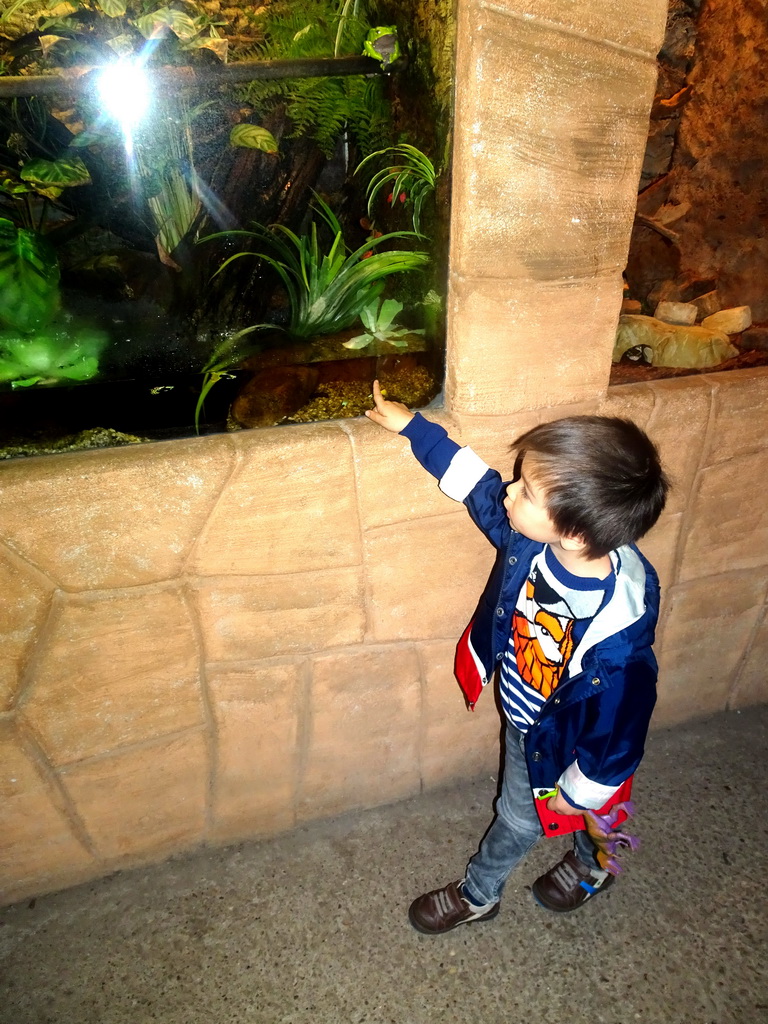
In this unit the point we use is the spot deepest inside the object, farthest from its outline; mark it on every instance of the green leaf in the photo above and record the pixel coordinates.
(65, 172)
(123, 45)
(62, 352)
(113, 8)
(93, 137)
(359, 341)
(389, 310)
(219, 47)
(29, 278)
(47, 42)
(253, 136)
(153, 25)
(14, 188)
(368, 316)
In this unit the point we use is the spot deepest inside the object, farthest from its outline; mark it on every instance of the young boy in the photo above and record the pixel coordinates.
(567, 618)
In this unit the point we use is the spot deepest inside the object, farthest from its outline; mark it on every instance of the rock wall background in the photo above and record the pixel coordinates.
(705, 174)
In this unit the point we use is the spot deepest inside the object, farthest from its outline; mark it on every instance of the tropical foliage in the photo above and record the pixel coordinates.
(323, 109)
(33, 348)
(327, 286)
(379, 323)
(29, 278)
(53, 33)
(412, 176)
(60, 352)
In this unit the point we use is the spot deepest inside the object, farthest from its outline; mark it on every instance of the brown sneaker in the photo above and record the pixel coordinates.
(569, 884)
(443, 909)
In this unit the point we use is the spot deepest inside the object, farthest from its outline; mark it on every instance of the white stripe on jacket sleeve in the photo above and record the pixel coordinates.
(583, 792)
(465, 470)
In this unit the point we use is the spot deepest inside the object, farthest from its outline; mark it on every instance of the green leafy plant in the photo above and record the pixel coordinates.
(56, 353)
(77, 31)
(323, 109)
(327, 287)
(378, 321)
(29, 278)
(413, 175)
(85, 31)
(33, 349)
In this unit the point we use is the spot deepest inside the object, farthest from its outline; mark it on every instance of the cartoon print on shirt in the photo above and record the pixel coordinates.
(543, 626)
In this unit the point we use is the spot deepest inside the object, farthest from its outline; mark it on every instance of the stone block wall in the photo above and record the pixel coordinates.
(222, 638)
(225, 637)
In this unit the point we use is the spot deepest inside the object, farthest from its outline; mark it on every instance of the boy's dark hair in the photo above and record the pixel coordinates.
(602, 478)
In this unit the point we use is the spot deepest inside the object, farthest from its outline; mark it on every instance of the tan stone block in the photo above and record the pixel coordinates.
(551, 128)
(425, 577)
(144, 802)
(26, 598)
(114, 517)
(660, 547)
(364, 731)
(508, 351)
(289, 507)
(257, 724)
(391, 485)
(738, 419)
(629, 401)
(116, 670)
(678, 427)
(751, 686)
(38, 849)
(247, 618)
(633, 27)
(457, 744)
(728, 527)
(706, 630)
(492, 436)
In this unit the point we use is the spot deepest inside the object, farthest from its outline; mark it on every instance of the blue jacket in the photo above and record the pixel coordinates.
(590, 734)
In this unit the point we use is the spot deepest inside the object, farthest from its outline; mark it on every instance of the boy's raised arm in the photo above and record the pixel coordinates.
(390, 415)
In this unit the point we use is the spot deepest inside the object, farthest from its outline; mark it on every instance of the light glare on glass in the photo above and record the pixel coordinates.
(124, 91)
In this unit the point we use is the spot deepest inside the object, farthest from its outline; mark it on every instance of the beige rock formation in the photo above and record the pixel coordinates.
(672, 344)
(729, 321)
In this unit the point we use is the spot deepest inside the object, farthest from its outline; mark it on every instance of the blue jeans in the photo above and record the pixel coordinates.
(514, 830)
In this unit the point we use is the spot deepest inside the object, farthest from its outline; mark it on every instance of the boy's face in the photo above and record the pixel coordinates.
(526, 505)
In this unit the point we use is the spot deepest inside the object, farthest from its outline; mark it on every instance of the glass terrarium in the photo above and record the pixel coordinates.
(216, 220)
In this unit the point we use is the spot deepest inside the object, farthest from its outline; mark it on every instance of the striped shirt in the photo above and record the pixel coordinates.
(553, 610)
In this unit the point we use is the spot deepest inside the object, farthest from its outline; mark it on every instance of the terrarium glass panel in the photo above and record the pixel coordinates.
(217, 219)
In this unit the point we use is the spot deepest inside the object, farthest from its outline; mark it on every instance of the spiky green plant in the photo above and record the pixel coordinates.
(413, 174)
(327, 288)
(379, 323)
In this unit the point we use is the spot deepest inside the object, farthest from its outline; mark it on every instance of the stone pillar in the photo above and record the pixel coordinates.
(552, 106)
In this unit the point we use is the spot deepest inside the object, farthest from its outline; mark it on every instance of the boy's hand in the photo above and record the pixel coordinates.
(390, 415)
(560, 805)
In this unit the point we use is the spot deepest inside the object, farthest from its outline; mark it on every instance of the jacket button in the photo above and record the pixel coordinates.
(500, 655)
(553, 826)
(556, 700)
(536, 756)
(595, 681)
(499, 612)
(513, 560)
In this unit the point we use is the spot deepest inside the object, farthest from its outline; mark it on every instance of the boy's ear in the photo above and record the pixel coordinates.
(573, 542)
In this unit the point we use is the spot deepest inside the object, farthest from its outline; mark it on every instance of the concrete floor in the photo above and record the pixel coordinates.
(311, 928)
